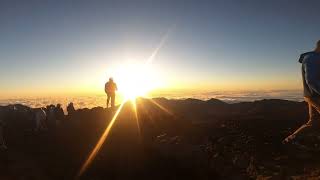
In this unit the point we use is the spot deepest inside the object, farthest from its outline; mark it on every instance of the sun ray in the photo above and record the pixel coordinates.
(162, 42)
(131, 95)
(134, 105)
(145, 112)
(102, 139)
(161, 107)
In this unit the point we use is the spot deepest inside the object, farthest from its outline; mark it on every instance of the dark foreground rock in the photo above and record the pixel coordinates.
(172, 139)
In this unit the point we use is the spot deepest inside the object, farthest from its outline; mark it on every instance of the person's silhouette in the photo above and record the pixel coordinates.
(311, 84)
(70, 109)
(110, 89)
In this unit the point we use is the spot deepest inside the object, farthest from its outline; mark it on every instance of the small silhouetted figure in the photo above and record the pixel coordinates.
(40, 117)
(59, 114)
(110, 89)
(51, 117)
(311, 84)
(70, 109)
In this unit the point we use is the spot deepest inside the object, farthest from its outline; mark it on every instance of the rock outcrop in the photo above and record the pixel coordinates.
(165, 139)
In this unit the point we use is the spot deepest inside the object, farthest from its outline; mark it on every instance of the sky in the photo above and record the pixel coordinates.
(70, 47)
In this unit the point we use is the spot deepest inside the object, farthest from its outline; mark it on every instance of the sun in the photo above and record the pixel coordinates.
(135, 80)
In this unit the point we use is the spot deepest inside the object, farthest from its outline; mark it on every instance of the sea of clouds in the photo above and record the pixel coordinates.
(100, 100)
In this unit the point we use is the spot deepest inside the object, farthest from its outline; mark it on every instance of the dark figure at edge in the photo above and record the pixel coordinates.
(311, 84)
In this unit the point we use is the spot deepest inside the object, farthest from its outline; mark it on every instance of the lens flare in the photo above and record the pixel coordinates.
(133, 81)
(102, 139)
(161, 107)
(162, 42)
(134, 105)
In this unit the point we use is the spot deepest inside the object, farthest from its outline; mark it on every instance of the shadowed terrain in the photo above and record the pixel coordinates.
(166, 139)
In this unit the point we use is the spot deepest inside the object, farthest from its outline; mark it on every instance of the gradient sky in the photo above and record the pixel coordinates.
(57, 47)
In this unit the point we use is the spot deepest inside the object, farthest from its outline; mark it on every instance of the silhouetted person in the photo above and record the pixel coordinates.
(110, 89)
(40, 117)
(311, 84)
(51, 117)
(59, 113)
(70, 109)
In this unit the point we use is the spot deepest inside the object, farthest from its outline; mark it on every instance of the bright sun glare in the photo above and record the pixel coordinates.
(135, 80)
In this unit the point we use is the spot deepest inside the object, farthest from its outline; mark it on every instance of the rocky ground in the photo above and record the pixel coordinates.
(172, 139)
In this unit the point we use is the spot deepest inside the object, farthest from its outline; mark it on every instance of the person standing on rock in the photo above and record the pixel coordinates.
(311, 84)
(110, 89)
